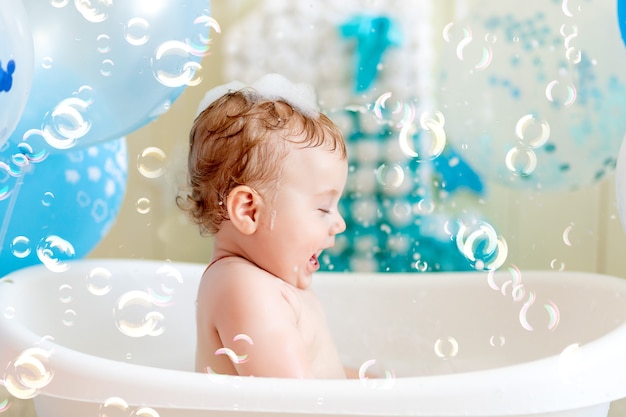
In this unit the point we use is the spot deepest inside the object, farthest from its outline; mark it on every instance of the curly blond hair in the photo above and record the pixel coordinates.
(241, 139)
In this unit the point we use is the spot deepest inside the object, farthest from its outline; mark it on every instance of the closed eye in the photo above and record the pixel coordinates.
(325, 211)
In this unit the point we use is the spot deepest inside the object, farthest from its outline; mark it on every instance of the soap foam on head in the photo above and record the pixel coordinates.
(270, 87)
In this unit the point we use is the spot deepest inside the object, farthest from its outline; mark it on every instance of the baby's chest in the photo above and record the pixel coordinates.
(311, 322)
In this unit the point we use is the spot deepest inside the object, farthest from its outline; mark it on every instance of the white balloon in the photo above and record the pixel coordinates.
(534, 92)
(16, 65)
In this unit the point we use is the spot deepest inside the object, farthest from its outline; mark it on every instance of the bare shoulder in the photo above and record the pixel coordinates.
(236, 284)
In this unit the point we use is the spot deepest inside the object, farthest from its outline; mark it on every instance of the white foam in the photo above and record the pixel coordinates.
(217, 92)
(301, 96)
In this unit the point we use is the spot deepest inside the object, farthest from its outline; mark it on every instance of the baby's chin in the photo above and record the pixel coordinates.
(303, 277)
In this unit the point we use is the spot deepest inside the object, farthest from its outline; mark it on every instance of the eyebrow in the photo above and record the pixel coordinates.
(331, 193)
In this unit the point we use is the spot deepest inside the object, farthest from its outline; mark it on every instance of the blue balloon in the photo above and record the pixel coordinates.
(57, 207)
(16, 65)
(104, 69)
(621, 16)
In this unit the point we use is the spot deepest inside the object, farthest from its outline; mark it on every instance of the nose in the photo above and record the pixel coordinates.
(339, 225)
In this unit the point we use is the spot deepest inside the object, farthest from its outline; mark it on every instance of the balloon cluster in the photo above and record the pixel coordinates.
(75, 78)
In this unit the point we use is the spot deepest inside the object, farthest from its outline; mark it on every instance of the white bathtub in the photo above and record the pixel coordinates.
(87, 342)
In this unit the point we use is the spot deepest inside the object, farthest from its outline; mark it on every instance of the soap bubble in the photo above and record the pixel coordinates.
(28, 373)
(5, 404)
(168, 281)
(446, 348)
(151, 162)
(114, 407)
(375, 383)
(65, 293)
(55, 252)
(144, 412)
(99, 281)
(481, 245)
(135, 315)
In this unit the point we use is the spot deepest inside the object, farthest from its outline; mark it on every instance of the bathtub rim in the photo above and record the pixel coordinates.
(362, 397)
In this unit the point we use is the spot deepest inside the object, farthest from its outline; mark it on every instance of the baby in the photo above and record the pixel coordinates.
(266, 172)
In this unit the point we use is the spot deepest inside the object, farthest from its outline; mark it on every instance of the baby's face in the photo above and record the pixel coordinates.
(303, 218)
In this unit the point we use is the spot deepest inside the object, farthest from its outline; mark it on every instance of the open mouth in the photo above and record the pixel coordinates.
(314, 261)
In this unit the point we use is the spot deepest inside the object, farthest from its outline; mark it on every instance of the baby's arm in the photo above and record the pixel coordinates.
(258, 329)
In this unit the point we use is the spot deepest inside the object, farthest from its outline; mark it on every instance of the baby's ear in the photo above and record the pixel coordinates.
(243, 205)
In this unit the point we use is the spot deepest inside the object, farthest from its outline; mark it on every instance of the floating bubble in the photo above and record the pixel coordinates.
(169, 279)
(69, 318)
(28, 151)
(47, 199)
(518, 292)
(424, 147)
(424, 207)
(143, 205)
(135, 317)
(106, 69)
(59, 3)
(566, 233)
(66, 123)
(446, 348)
(94, 11)
(375, 383)
(497, 341)
(5, 405)
(571, 7)
(557, 265)
(234, 358)
(200, 44)
(481, 245)
(137, 31)
(420, 265)
(103, 44)
(523, 319)
(28, 373)
(521, 161)
(244, 337)
(390, 176)
(478, 54)
(554, 315)
(151, 162)
(65, 293)
(54, 252)
(561, 93)
(569, 32)
(47, 62)
(532, 132)
(20, 247)
(215, 377)
(172, 65)
(516, 280)
(144, 412)
(398, 115)
(114, 407)
(573, 55)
